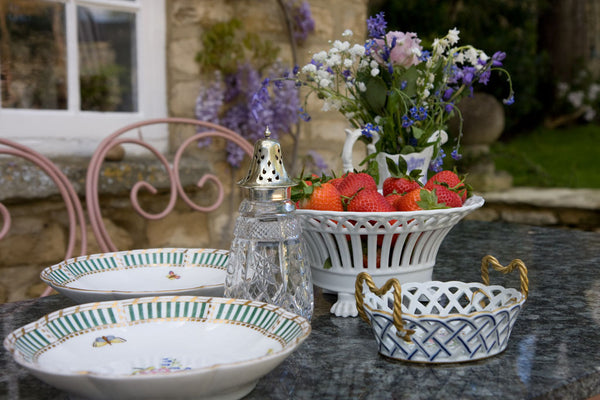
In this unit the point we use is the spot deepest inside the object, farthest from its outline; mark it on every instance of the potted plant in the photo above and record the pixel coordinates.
(397, 95)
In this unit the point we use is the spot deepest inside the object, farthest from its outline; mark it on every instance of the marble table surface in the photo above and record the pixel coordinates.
(553, 352)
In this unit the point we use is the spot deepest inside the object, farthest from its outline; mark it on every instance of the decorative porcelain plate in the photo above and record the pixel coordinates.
(140, 273)
(170, 347)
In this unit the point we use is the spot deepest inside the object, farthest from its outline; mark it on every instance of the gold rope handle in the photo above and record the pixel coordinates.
(491, 260)
(397, 312)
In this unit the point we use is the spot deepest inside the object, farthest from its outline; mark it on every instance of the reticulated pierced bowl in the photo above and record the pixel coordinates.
(400, 245)
(442, 322)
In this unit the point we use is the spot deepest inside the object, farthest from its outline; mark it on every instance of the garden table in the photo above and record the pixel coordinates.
(553, 352)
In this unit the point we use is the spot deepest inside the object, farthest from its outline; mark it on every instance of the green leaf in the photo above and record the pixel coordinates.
(407, 150)
(373, 170)
(376, 94)
(417, 132)
(328, 264)
(397, 170)
(410, 76)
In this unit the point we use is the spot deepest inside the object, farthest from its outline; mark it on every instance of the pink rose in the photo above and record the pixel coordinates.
(405, 50)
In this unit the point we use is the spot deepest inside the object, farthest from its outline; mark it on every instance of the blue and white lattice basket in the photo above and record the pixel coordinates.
(442, 322)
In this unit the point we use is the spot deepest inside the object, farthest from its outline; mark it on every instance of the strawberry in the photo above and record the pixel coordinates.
(324, 197)
(446, 196)
(451, 180)
(353, 182)
(417, 199)
(337, 181)
(369, 201)
(399, 185)
(391, 198)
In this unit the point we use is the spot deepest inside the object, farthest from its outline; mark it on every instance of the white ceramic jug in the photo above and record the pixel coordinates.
(418, 160)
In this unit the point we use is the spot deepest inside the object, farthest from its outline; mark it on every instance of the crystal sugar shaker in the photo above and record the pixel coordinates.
(266, 260)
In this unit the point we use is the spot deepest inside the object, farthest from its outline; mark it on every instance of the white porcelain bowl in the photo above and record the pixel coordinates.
(177, 347)
(440, 322)
(140, 273)
(401, 245)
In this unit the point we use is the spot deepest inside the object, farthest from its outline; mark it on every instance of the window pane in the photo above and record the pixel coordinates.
(107, 60)
(33, 55)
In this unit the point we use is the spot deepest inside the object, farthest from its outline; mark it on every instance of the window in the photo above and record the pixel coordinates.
(73, 71)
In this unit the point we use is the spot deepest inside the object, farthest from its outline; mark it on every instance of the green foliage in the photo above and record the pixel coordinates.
(566, 157)
(490, 25)
(226, 45)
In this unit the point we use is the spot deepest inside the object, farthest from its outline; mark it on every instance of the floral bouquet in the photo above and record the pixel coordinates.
(396, 92)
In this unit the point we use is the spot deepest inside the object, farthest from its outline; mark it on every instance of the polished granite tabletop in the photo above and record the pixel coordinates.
(553, 352)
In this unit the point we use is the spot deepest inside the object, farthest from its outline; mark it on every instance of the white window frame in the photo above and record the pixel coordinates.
(77, 133)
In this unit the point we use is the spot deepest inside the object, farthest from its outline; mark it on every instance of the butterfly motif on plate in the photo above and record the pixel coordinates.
(107, 340)
(172, 275)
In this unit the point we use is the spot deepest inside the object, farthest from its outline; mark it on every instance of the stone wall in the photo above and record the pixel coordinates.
(188, 19)
(39, 233)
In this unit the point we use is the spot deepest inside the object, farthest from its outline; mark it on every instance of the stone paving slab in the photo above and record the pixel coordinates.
(588, 199)
(562, 207)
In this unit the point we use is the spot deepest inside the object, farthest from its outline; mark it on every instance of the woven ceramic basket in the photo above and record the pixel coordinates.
(400, 245)
(442, 322)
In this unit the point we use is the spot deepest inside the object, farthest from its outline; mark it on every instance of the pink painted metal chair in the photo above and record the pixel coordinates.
(68, 194)
(172, 169)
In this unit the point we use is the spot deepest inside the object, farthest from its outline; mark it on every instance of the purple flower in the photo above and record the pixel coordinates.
(303, 20)
(485, 77)
(497, 58)
(468, 73)
(448, 94)
(250, 107)
(318, 160)
(455, 155)
(377, 25)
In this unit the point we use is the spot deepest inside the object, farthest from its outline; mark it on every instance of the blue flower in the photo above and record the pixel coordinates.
(510, 100)
(406, 122)
(368, 130)
(377, 25)
(303, 114)
(455, 155)
(425, 55)
(436, 165)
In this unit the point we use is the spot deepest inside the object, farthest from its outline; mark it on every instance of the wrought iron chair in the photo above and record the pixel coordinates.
(172, 169)
(69, 196)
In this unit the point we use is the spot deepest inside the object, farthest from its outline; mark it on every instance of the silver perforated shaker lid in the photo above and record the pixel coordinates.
(266, 168)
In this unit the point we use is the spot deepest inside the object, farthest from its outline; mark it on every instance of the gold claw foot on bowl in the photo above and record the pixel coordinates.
(345, 306)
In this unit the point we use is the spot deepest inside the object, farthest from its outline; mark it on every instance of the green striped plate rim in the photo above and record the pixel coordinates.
(30, 341)
(72, 269)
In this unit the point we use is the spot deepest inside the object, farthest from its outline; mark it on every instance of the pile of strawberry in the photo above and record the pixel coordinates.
(357, 192)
